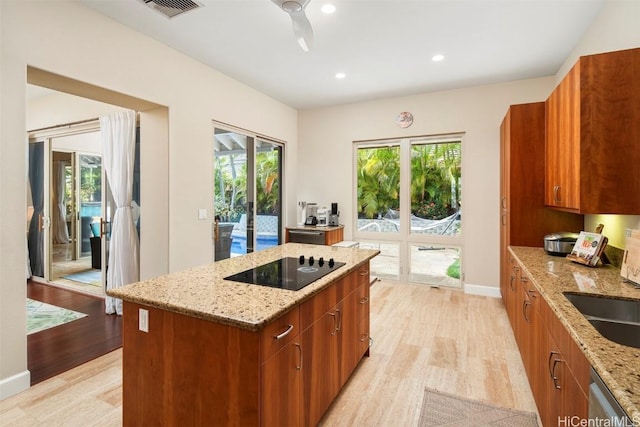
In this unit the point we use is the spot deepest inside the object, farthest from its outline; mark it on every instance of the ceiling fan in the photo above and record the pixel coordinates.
(301, 25)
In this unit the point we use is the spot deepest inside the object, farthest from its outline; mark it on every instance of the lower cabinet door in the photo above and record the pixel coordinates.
(282, 387)
(321, 371)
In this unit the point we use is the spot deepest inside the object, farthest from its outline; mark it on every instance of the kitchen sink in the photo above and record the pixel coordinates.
(614, 318)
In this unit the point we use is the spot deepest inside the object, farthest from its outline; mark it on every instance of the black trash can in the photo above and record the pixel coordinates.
(96, 253)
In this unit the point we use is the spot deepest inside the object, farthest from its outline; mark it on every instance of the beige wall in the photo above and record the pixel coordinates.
(326, 157)
(70, 40)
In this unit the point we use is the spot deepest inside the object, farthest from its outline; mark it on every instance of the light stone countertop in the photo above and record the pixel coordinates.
(201, 291)
(617, 365)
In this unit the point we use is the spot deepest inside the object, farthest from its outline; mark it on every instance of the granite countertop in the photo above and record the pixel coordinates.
(315, 227)
(201, 292)
(617, 365)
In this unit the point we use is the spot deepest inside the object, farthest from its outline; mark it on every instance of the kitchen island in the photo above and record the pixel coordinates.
(618, 365)
(201, 350)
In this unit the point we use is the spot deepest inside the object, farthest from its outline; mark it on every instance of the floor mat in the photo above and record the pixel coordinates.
(442, 409)
(41, 316)
(89, 277)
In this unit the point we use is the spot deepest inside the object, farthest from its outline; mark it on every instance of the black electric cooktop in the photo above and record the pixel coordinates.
(287, 273)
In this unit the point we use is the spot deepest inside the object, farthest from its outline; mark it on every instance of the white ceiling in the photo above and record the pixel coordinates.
(383, 46)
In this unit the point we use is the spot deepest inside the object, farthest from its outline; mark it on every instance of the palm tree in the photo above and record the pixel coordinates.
(378, 180)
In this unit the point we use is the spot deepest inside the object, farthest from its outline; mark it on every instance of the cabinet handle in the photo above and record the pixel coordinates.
(364, 300)
(299, 347)
(284, 334)
(556, 193)
(532, 293)
(335, 322)
(306, 233)
(525, 304)
(503, 218)
(503, 203)
(364, 337)
(364, 273)
(513, 279)
(339, 319)
(552, 369)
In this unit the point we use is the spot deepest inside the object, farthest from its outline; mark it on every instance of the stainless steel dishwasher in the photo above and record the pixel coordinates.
(603, 406)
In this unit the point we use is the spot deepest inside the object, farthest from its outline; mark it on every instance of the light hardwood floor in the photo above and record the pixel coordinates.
(422, 337)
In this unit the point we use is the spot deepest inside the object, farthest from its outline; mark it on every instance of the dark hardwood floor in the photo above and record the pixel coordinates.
(63, 347)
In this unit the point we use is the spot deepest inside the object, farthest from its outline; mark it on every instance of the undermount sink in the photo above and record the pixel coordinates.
(616, 319)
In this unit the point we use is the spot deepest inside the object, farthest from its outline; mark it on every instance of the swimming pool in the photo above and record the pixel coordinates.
(239, 244)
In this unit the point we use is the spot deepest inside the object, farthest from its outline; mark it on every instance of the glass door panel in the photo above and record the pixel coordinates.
(387, 264)
(435, 265)
(89, 204)
(268, 194)
(247, 193)
(435, 187)
(378, 188)
(230, 193)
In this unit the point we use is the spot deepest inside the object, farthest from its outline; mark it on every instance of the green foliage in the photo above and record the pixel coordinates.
(378, 180)
(230, 185)
(268, 183)
(435, 180)
(454, 269)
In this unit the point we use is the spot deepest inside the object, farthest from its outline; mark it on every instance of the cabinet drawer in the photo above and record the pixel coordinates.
(278, 333)
(314, 237)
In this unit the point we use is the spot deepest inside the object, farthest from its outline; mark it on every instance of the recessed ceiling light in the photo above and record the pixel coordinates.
(340, 75)
(437, 58)
(328, 8)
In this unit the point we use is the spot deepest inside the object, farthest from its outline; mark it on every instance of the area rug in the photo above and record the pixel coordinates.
(88, 277)
(442, 409)
(41, 316)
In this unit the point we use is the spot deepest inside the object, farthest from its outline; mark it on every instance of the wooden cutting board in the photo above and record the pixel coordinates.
(630, 269)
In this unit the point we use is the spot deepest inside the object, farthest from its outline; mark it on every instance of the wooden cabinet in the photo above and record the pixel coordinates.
(190, 371)
(282, 387)
(524, 219)
(333, 344)
(557, 370)
(315, 235)
(593, 136)
(566, 381)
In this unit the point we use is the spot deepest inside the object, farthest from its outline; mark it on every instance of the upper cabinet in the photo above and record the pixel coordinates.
(592, 144)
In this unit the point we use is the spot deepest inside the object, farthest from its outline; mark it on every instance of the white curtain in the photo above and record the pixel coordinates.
(60, 231)
(118, 145)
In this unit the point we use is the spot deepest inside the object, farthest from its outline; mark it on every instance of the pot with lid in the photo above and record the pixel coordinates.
(560, 243)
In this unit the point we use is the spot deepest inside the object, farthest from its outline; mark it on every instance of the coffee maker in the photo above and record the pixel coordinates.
(334, 215)
(323, 217)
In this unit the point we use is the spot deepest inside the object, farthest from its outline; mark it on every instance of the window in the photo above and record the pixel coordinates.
(408, 204)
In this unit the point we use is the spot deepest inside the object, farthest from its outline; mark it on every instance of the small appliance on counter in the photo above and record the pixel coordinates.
(560, 243)
(334, 216)
(303, 212)
(323, 217)
(312, 214)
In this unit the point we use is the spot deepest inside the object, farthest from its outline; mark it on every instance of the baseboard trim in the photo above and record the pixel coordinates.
(487, 291)
(15, 384)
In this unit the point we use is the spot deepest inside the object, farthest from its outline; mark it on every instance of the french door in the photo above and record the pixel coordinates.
(248, 190)
(68, 209)
(407, 204)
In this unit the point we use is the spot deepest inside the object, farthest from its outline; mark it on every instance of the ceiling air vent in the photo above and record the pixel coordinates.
(172, 8)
